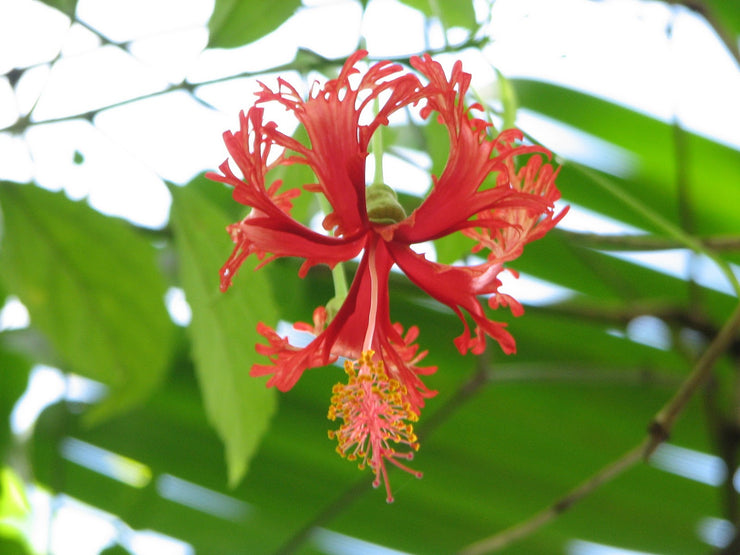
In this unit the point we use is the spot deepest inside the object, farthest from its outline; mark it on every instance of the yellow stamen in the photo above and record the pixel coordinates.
(374, 413)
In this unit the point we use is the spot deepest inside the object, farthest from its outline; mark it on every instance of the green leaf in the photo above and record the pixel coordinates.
(14, 370)
(13, 501)
(508, 100)
(223, 327)
(452, 13)
(239, 22)
(92, 286)
(67, 7)
(727, 15)
(14, 513)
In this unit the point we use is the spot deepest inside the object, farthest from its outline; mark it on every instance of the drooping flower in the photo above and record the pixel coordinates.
(385, 392)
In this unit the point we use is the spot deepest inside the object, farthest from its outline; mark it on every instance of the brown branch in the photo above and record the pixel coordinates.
(589, 374)
(658, 431)
(624, 313)
(634, 242)
(663, 422)
(527, 527)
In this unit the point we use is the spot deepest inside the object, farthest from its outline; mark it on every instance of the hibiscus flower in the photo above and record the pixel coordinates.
(493, 188)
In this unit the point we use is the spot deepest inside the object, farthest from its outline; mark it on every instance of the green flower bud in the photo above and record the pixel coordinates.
(382, 205)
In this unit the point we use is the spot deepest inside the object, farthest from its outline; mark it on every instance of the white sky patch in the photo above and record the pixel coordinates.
(70, 518)
(689, 463)
(15, 163)
(296, 337)
(165, 148)
(201, 498)
(70, 89)
(79, 40)
(681, 264)
(125, 20)
(579, 146)
(30, 87)
(648, 71)
(426, 249)
(30, 33)
(115, 182)
(650, 331)
(334, 543)
(533, 291)
(77, 528)
(322, 20)
(14, 315)
(584, 220)
(8, 114)
(716, 532)
(402, 175)
(46, 386)
(123, 469)
(388, 18)
(177, 306)
(583, 547)
(149, 542)
(171, 54)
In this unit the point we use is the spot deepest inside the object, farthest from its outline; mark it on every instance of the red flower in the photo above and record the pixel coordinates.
(502, 218)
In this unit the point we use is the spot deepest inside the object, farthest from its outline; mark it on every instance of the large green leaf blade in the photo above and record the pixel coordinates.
(223, 328)
(239, 22)
(92, 286)
(651, 143)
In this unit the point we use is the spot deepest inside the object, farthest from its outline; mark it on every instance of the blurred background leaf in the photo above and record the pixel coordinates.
(223, 330)
(89, 284)
(449, 12)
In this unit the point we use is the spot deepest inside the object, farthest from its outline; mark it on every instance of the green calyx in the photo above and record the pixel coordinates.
(382, 205)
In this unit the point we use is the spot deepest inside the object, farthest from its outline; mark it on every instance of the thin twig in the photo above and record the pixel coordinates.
(303, 64)
(633, 242)
(658, 220)
(666, 418)
(583, 375)
(527, 527)
(658, 432)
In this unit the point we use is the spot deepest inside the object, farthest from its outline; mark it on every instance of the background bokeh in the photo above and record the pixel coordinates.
(128, 423)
